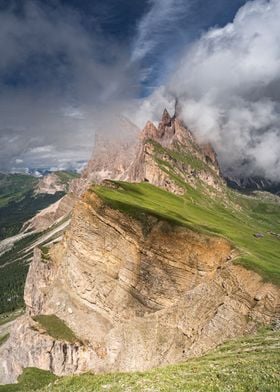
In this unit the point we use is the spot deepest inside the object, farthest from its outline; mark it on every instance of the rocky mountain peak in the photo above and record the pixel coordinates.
(150, 131)
(166, 118)
(210, 154)
(133, 281)
(166, 127)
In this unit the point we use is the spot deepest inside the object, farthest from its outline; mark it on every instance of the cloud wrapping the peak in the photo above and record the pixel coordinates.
(228, 85)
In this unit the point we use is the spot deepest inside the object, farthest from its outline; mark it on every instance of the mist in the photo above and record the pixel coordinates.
(227, 85)
(55, 77)
(61, 81)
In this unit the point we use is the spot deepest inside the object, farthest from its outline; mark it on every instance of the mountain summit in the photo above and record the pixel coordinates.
(166, 155)
(161, 262)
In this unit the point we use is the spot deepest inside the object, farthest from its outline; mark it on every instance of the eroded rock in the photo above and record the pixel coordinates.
(139, 296)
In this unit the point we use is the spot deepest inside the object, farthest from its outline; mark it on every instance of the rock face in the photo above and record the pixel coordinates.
(169, 157)
(50, 184)
(136, 296)
(135, 157)
(51, 215)
(252, 184)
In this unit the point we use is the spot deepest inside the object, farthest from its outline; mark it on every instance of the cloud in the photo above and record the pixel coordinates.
(170, 25)
(54, 76)
(61, 81)
(160, 20)
(228, 86)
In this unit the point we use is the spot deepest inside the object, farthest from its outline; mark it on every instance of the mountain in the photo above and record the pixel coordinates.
(29, 206)
(167, 156)
(253, 184)
(161, 262)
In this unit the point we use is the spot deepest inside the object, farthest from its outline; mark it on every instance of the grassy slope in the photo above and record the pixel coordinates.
(13, 186)
(56, 328)
(65, 177)
(18, 204)
(211, 216)
(3, 338)
(10, 316)
(249, 364)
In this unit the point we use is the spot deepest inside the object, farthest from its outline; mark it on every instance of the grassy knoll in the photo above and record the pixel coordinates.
(243, 365)
(235, 217)
(32, 379)
(56, 328)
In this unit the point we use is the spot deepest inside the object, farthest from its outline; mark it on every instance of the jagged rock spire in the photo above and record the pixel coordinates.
(149, 132)
(166, 118)
(166, 125)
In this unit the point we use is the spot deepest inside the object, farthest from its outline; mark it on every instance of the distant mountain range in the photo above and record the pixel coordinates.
(253, 184)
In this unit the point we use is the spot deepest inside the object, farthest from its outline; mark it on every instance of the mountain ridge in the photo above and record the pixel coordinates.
(159, 260)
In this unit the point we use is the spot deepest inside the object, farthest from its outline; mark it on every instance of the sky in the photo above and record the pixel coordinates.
(67, 67)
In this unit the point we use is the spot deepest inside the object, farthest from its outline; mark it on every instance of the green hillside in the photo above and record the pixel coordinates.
(249, 364)
(14, 186)
(66, 176)
(234, 216)
(18, 203)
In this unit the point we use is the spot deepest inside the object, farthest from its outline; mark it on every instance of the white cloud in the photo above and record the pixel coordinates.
(161, 18)
(54, 76)
(228, 85)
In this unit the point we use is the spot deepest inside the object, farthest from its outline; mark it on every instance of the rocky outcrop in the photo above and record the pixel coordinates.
(50, 184)
(169, 157)
(137, 293)
(51, 215)
(37, 349)
(134, 157)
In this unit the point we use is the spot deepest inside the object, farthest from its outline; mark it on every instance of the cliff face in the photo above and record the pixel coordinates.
(137, 291)
(51, 215)
(50, 184)
(169, 157)
(136, 294)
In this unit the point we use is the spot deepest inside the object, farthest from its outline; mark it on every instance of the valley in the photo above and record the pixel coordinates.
(20, 201)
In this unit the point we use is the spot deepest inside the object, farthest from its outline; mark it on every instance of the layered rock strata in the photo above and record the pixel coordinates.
(136, 296)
